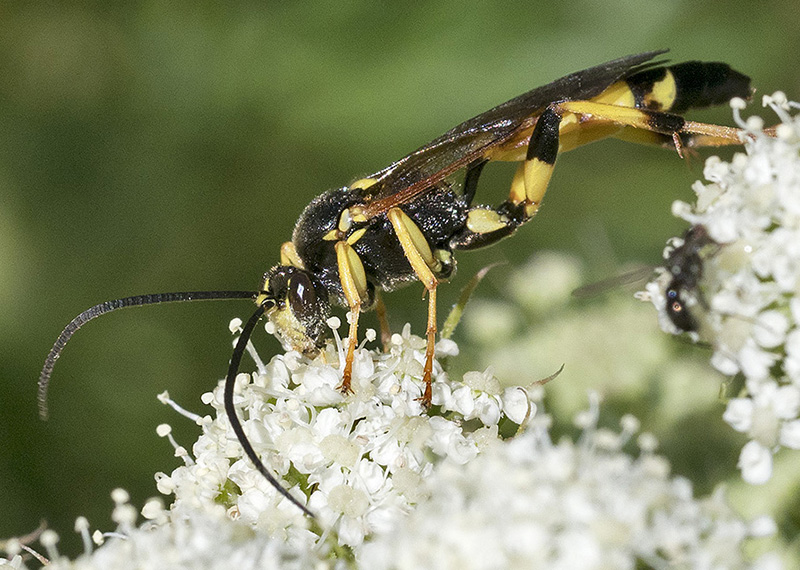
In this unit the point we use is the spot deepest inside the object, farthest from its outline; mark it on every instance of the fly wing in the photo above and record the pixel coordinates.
(475, 138)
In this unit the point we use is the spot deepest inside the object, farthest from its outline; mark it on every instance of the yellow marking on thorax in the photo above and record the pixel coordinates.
(345, 221)
(362, 183)
(348, 217)
(356, 235)
(357, 213)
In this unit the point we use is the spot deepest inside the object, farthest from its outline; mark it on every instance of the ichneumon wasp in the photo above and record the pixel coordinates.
(405, 222)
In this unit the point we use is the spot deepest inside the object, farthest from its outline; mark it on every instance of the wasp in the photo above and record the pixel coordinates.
(404, 223)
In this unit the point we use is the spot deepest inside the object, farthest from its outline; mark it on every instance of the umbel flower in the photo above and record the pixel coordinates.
(358, 460)
(746, 304)
(535, 503)
(177, 539)
(396, 486)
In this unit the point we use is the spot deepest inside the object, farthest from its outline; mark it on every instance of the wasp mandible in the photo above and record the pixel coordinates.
(404, 223)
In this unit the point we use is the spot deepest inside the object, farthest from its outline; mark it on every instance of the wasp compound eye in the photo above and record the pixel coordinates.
(301, 296)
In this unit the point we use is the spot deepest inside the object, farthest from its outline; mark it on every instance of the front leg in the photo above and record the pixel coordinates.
(356, 292)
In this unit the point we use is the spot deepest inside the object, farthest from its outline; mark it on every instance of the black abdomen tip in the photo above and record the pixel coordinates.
(701, 84)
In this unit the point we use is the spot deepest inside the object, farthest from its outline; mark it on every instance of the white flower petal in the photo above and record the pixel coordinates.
(755, 461)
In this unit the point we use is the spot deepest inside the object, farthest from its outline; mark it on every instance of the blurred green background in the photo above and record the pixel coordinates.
(156, 147)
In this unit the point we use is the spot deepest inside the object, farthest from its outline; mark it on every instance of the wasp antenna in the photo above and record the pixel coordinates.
(230, 410)
(107, 307)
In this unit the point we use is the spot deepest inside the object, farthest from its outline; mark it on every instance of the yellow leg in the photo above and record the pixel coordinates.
(652, 121)
(354, 284)
(419, 255)
(564, 125)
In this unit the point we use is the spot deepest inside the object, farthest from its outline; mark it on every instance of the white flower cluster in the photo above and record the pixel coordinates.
(748, 302)
(356, 460)
(394, 486)
(178, 539)
(534, 503)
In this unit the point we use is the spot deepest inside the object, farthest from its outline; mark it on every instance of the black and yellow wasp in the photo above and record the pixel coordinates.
(405, 222)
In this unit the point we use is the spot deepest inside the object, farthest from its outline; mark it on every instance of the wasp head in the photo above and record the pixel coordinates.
(297, 304)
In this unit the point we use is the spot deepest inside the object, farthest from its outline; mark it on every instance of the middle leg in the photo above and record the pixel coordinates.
(419, 255)
(356, 292)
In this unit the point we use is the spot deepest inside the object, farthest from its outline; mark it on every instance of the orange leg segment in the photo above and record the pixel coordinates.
(352, 341)
(431, 334)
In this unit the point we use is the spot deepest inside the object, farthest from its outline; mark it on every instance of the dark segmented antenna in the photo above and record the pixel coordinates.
(107, 307)
(230, 409)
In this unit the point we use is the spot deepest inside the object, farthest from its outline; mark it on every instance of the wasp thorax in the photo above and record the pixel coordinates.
(300, 307)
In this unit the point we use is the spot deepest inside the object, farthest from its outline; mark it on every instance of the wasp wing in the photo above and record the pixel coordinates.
(475, 138)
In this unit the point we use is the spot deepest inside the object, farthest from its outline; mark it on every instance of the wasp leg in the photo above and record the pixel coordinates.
(549, 135)
(356, 292)
(649, 120)
(564, 126)
(429, 349)
(486, 225)
(471, 179)
(289, 255)
(687, 140)
(425, 265)
(352, 341)
(383, 322)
